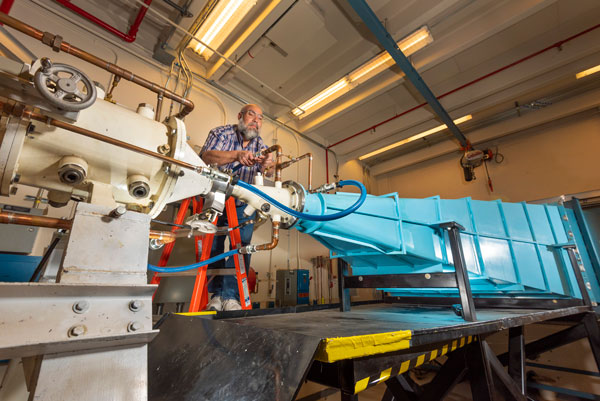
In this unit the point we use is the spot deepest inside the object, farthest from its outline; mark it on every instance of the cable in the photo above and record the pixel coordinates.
(180, 269)
(312, 217)
(498, 157)
(489, 181)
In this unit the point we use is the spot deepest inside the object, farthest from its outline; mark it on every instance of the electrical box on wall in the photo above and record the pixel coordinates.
(293, 287)
(16, 238)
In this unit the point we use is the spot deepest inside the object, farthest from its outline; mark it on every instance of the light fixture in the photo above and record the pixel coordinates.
(321, 97)
(409, 45)
(219, 24)
(414, 137)
(587, 72)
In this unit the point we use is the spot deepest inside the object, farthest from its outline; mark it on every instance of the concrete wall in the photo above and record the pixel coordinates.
(212, 108)
(542, 162)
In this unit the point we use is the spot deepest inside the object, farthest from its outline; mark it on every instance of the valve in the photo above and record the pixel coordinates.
(64, 92)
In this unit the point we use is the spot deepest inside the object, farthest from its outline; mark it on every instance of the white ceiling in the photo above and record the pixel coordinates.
(319, 41)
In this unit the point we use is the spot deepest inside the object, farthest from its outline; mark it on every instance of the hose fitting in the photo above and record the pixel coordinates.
(248, 249)
(326, 187)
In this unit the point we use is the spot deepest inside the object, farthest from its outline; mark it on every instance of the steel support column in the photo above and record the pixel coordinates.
(460, 266)
(453, 371)
(516, 356)
(344, 293)
(479, 372)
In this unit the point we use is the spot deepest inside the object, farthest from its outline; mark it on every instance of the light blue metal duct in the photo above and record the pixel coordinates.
(510, 248)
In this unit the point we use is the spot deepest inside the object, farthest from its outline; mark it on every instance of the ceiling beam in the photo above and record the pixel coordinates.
(370, 19)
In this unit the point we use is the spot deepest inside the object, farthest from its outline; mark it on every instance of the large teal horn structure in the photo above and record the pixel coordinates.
(510, 249)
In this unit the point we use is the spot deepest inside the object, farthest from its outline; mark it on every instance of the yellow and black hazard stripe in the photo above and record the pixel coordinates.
(393, 371)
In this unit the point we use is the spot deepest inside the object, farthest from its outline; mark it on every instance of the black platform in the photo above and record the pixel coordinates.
(269, 357)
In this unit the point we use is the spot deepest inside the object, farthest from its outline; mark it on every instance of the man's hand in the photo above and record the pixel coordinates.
(267, 163)
(246, 158)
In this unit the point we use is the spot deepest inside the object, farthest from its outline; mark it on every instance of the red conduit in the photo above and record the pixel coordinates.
(127, 37)
(555, 45)
(6, 6)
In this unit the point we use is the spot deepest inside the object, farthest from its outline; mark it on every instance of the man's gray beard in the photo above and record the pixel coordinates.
(247, 133)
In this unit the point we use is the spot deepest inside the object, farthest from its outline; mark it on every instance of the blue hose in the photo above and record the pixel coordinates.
(312, 217)
(179, 269)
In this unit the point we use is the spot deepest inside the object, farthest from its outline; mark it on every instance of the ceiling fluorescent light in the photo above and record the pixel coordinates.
(415, 137)
(322, 97)
(409, 45)
(587, 72)
(223, 19)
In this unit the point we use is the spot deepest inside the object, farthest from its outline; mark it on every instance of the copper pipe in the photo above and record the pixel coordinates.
(36, 221)
(115, 82)
(163, 236)
(159, 102)
(57, 44)
(278, 154)
(297, 159)
(274, 239)
(15, 110)
(52, 222)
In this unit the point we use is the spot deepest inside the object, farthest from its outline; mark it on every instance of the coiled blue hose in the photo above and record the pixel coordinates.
(280, 206)
(312, 217)
(179, 269)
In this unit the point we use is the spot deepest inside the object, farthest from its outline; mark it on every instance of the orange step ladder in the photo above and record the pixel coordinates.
(204, 243)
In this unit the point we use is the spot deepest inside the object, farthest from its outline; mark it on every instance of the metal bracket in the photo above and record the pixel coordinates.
(43, 318)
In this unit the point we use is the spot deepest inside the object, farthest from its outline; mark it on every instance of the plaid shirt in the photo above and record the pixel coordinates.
(227, 138)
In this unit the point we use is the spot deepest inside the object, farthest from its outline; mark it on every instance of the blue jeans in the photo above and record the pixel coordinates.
(227, 286)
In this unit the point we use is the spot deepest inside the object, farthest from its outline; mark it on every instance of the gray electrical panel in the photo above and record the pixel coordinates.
(16, 238)
(292, 287)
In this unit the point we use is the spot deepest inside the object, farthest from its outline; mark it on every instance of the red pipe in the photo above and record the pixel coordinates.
(555, 45)
(6, 6)
(127, 37)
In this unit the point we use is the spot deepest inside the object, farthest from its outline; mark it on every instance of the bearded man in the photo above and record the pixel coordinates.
(234, 147)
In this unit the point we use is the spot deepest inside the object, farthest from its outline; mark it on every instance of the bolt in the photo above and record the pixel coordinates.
(135, 305)
(46, 64)
(265, 207)
(81, 306)
(570, 233)
(76, 331)
(134, 326)
(360, 278)
(565, 218)
(427, 276)
(118, 211)
(164, 149)
(588, 286)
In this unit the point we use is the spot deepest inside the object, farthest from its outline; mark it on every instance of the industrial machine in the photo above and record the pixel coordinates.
(122, 167)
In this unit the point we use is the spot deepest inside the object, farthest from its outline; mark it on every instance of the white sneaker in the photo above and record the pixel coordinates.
(216, 304)
(232, 304)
